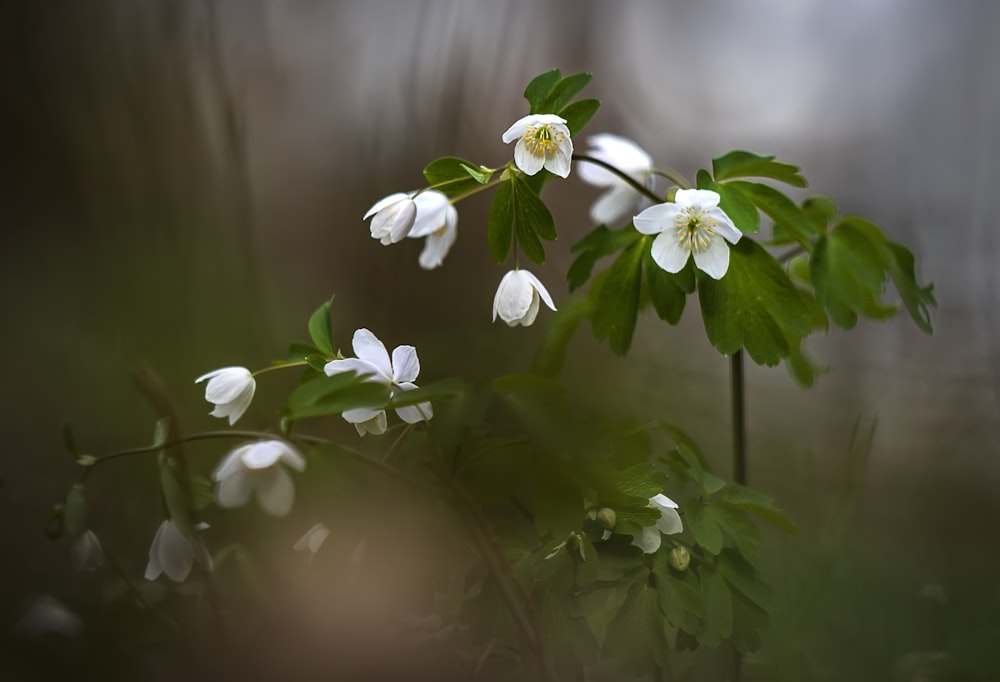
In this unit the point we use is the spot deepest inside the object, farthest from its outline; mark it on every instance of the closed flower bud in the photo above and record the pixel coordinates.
(230, 389)
(679, 558)
(87, 552)
(607, 518)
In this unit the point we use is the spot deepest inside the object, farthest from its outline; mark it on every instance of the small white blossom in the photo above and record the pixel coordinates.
(258, 467)
(693, 224)
(543, 141)
(413, 214)
(87, 552)
(312, 540)
(230, 389)
(173, 553)
(437, 219)
(669, 523)
(621, 198)
(518, 298)
(398, 374)
(393, 218)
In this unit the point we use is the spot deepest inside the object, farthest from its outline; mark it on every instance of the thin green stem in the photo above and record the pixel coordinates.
(399, 439)
(635, 184)
(790, 254)
(298, 363)
(477, 190)
(673, 176)
(739, 417)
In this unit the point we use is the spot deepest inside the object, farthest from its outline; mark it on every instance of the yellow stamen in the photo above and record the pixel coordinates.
(543, 140)
(694, 228)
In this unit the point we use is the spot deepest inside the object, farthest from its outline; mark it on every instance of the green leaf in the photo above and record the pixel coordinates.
(298, 352)
(319, 328)
(665, 293)
(753, 306)
(558, 502)
(743, 164)
(780, 209)
(539, 88)
(599, 243)
(680, 601)
(733, 202)
(201, 492)
(563, 323)
(702, 520)
(848, 270)
(636, 637)
(759, 504)
(453, 176)
(718, 608)
(437, 389)
(821, 211)
(563, 92)
(481, 175)
(917, 299)
(75, 511)
(617, 300)
(331, 395)
(579, 113)
(516, 209)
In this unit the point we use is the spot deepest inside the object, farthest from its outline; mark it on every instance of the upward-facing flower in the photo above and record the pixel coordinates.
(518, 298)
(257, 467)
(230, 389)
(669, 523)
(398, 374)
(174, 553)
(692, 225)
(543, 141)
(621, 198)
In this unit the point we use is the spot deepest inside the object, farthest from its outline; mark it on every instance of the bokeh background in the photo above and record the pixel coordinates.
(184, 184)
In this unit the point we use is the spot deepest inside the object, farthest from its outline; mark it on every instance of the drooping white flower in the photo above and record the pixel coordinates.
(393, 218)
(258, 467)
(669, 523)
(398, 374)
(173, 553)
(437, 220)
(691, 225)
(518, 298)
(312, 540)
(621, 198)
(230, 389)
(543, 141)
(87, 552)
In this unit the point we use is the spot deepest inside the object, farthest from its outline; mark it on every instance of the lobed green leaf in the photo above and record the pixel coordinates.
(563, 91)
(539, 88)
(616, 305)
(743, 164)
(319, 329)
(453, 176)
(579, 113)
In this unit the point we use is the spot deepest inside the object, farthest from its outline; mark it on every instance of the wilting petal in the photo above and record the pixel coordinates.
(668, 253)
(375, 426)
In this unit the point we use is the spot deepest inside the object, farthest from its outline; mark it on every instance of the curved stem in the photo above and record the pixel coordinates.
(271, 368)
(636, 185)
(790, 254)
(673, 176)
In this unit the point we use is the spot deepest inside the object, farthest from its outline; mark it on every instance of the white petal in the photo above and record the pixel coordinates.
(517, 130)
(703, 198)
(262, 454)
(234, 490)
(614, 204)
(276, 492)
(656, 218)
(292, 457)
(384, 202)
(713, 261)
(648, 540)
(87, 552)
(225, 384)
(662, 502)
(668, 253)
(359, 415)
(359, 367)
(375, 426)
(539, 287)
(432, 213)
(368, 347)
(560, 162)
(231, 463)
(529, 317)
(725, 226)
(153, 568)
(669, 522)
(411, 414)
(401, 223)
(528, 163)
(313, 539)
(405, 364)
(174, 552)
(235, 408)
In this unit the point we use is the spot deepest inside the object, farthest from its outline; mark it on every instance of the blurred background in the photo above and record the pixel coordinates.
(185, 183)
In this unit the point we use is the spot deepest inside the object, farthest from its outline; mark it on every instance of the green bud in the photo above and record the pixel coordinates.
(86, 460)
(679, 558)
(607, 517)
(574, 546)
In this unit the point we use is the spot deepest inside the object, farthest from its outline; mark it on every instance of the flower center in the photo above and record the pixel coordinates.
(694, 228)
(543, 140)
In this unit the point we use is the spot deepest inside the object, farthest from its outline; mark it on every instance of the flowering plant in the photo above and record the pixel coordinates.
(589, 545)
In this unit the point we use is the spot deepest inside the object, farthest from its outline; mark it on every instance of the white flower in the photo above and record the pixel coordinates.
(230, 389)
(257, 467)
(173, 553)
(517, 298)
(412, 214)
(437, 219)
(312, 540)
(87, 552)
(669, 523)
(692, 225)
(625, 155)
(543, 141)
(398, 374)
(394, 218)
